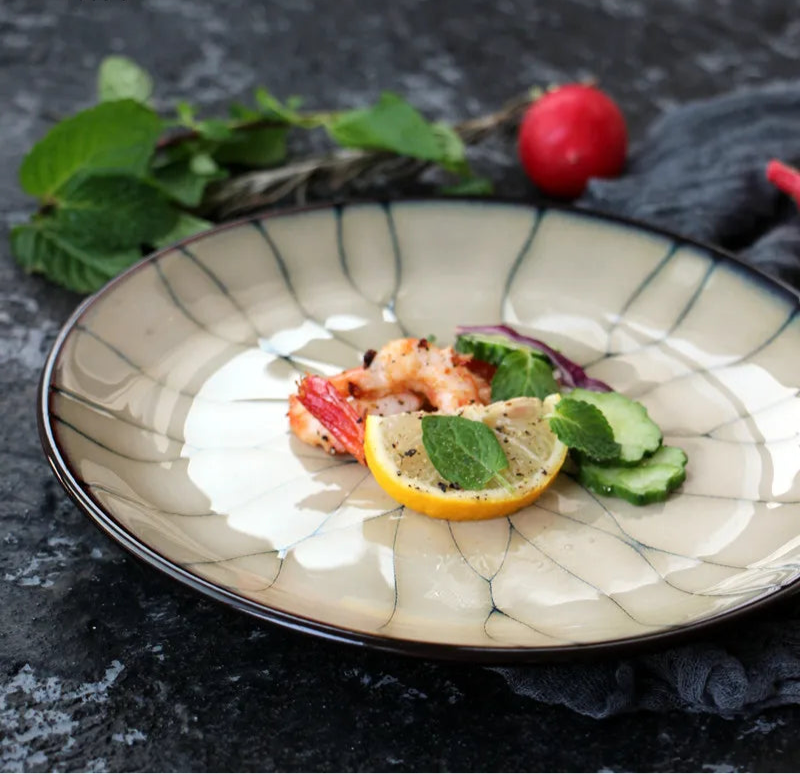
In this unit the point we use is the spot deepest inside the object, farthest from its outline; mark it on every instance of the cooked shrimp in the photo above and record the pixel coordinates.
(404, 375)
(334, 412)
(414, 365)
(311, 431)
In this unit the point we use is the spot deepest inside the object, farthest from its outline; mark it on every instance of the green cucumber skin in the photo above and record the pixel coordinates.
(627, 418)
(491, 349)
(611, 480)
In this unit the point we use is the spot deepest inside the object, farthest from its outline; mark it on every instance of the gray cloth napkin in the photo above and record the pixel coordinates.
(700, 172)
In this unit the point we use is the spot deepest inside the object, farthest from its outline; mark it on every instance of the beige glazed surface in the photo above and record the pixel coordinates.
(167, 403)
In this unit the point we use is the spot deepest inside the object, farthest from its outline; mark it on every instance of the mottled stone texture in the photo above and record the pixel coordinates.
(104, 663)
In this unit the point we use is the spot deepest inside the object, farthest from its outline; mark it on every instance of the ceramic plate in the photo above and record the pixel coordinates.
(163, 413)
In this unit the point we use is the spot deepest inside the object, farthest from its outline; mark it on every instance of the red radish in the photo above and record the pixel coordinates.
(569, 135)
(785, 178)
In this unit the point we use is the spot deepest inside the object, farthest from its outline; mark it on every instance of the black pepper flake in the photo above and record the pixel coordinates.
(409, 453)
(369, 356)
(455, 486)
(324, 437)
(442, 486)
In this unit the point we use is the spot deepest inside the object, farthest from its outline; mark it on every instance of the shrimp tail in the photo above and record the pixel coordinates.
(322, 400)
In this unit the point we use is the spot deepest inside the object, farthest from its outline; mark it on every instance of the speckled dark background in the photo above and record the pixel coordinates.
(104, 664)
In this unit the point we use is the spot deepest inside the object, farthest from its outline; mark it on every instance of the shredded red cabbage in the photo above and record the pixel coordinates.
(570, 373)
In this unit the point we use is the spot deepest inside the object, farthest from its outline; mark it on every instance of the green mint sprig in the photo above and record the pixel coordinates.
(117, 180)
(463, 451)
(522, 374)
(582, 427)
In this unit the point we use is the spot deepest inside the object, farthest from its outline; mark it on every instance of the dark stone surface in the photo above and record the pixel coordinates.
(106, 665)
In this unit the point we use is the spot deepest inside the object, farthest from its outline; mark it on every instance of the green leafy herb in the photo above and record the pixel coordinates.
(520, 374)
(583, 427)
(203, 164)
(181, 181)
(464, 452)
(116, 179)
(637, 434)
(40, 247)
(272, 108)
(112, 212)
(472, 186)
(121, 78)
(116, 136)
(395, 125)
(256, 148)
(185, 226)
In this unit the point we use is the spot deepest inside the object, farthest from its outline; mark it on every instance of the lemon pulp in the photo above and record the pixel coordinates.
(397, 458)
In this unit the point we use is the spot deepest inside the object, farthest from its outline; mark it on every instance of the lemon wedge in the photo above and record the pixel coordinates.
(397, 459)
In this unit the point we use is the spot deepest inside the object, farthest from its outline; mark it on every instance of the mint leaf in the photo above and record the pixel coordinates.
(40, 248)
(472, 186)
(452, 148)
(185, 226)
(583, 427)
(121, 78)
(254, 148)
(273, 108)
(520, 374)
(463, 451)
(119, 136)
(213, 129)
(395, 125)
(203, 164)
(630, 423)
(112, 212)
(180, 181)
(185, 113)
(243, 113)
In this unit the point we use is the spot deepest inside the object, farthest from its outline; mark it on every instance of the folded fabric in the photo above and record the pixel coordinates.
(700, 173)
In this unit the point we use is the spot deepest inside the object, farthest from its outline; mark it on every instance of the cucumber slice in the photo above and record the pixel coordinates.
(633, 429)
(648, 482)
(492, 348)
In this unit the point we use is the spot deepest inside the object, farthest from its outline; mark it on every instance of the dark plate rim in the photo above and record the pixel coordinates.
(106, 522)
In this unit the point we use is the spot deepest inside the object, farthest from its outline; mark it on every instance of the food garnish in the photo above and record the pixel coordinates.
(398, 459)
(647, 482)
(482, 429)
(494, 342)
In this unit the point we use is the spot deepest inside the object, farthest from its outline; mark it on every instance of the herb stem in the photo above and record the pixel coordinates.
(186, 135)
(252, 190)
(504, 482)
